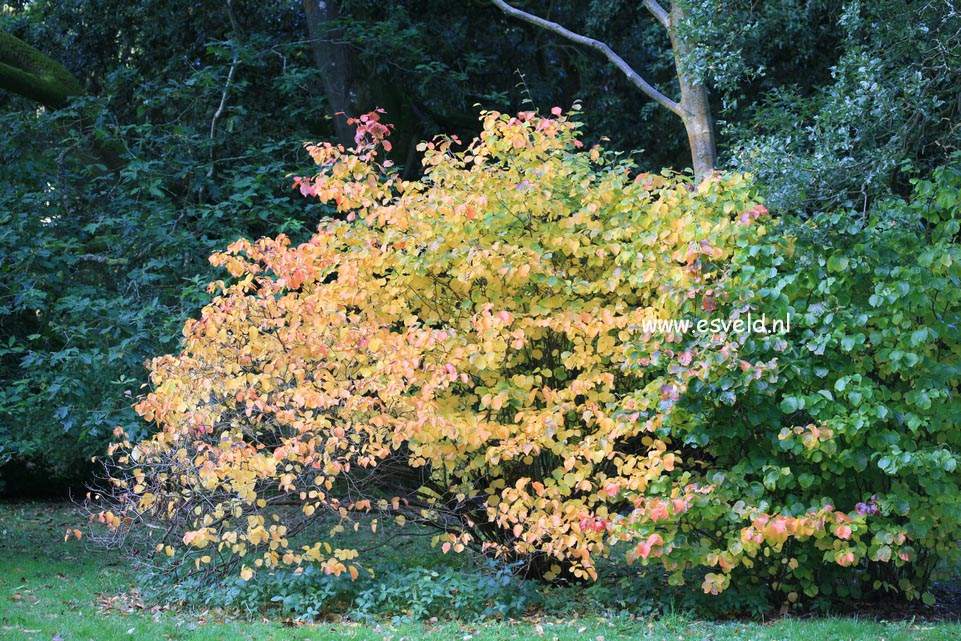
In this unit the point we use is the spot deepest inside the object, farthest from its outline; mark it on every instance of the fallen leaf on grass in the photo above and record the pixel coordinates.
(29, 598)
(125, 603)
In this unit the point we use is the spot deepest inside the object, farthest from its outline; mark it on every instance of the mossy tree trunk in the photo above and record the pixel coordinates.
(27, 72)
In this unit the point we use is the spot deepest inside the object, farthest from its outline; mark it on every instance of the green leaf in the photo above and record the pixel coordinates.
(837, 263)
(789, 405)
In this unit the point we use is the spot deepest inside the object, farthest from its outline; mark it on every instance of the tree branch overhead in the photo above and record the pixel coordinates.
(659, 12)
(632, 75)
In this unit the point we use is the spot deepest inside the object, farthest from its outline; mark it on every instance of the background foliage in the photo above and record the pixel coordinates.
(101, 265)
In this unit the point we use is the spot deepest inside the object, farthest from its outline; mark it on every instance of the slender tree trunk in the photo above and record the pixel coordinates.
(332, 58)
(695, 104)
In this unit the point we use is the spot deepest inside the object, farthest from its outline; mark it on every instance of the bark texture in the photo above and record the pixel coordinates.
(695, 104)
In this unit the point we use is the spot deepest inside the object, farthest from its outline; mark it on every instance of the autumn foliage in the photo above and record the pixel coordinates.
(473, 351)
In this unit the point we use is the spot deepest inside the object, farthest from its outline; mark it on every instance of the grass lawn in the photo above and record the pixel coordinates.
(56, 591)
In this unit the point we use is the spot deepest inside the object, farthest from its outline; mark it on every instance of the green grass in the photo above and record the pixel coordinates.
(50, 590)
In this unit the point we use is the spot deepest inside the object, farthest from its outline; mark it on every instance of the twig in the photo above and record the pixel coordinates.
(223, 96)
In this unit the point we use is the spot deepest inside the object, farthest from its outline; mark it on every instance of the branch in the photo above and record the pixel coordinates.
(226, 91)
(659, 12)
(618, 62)
(28, 72)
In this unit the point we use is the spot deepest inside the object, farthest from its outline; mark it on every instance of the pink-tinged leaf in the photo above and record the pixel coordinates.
(714, 583)
(643, 550)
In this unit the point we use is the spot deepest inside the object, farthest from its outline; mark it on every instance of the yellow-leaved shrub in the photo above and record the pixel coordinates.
(473, 351)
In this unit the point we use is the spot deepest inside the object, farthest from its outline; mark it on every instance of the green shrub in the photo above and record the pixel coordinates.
(846, 460)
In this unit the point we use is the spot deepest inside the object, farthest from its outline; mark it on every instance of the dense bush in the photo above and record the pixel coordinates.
(841, 129)
(864, 414)
(837, 475)
(470, 351)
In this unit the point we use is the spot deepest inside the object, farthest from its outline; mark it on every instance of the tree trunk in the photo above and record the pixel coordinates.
(694, 103)
(29, 73)
(331, 57)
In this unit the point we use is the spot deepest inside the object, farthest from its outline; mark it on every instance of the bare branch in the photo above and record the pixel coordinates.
(659, 12)
(226, 91)
(632, 75)
(220, 110)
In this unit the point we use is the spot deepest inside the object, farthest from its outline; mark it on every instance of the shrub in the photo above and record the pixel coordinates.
(478, 351)
(471, 351)
(836, 475)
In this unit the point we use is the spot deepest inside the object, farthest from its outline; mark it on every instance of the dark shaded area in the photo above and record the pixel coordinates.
(28, 481)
